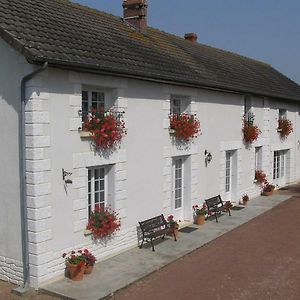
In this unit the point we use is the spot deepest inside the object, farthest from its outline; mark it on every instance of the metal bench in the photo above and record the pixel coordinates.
(153, 228)
(217, 206)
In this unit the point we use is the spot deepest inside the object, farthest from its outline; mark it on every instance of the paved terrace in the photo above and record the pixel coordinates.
(118, 272)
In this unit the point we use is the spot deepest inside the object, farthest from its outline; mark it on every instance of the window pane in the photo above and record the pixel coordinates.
(85, 95)
(175, 106)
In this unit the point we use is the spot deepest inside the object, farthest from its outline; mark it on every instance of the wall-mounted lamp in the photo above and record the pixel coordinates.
(66, 174)
(208, 157)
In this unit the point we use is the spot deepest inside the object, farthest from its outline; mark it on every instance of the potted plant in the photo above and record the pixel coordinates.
(75, 263)
(250, 131)
(260, 176)
(90, 260)
(103, 222)
(285, 127)
(184, 126)
(245, 199)
(268, 189)
(199, 214)
(174, 225)
(106, 128)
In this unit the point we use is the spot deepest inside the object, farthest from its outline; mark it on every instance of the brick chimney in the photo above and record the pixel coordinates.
(135, 13)
(191, 37)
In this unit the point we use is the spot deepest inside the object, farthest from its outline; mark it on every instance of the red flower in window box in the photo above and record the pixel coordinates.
(285, 127)
(251, 132)
(185, 126)
(103, 222)
(106, 127)
(260, 176)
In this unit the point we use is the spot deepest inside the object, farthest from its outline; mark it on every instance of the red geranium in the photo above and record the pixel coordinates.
(251, 132)
(260, 176)
(285, 127)
(185, 126)
(103, 222)
(106, 127)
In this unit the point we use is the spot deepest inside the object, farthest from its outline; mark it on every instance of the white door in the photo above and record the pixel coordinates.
(178, 189)
(230, 175)
(279, 168)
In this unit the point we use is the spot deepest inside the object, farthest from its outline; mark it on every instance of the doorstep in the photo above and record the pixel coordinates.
(119, 271)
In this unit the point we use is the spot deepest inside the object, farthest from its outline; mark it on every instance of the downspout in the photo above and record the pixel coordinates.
(24, 221)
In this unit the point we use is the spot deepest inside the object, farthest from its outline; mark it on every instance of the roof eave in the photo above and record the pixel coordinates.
(91, 68)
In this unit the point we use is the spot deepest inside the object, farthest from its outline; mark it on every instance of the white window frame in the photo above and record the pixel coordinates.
(178, 190)
(258, 158)
(228, 170)
(282, 114)
(279, 162)
(248, 110)
(97, 195)
(179, 104)
(104, 101)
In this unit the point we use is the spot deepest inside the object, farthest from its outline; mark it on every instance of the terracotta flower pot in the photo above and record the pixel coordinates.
(199, 219)
(267, 193)
(88, 269)
(76, 271)
(176, 232)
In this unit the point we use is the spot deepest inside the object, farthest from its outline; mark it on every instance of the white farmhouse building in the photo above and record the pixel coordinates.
(57, 60)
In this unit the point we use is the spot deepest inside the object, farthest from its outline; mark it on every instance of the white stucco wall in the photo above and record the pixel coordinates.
(142, 171)
(13, 67)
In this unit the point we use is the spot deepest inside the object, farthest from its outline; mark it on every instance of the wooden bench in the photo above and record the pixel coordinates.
(153, 228)
(217, 206)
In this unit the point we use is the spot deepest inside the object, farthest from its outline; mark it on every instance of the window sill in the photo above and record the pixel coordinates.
(87, 232)
(85, 134)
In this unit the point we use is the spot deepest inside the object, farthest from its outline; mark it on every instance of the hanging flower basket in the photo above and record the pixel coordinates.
(103, 222)
(106, 128)
(251, 132)
(184, 127)
(260, 177)
(285, 127)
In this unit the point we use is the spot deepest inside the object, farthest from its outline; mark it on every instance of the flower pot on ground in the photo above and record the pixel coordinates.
(88, 269)
(76, 271)
(174, 225)
(90, 261)
(75, 263)
(268, 189)
(79, 262)
(245, 199)
(199, 219)
(199, 214)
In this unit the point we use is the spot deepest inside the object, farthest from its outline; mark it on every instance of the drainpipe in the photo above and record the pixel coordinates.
(24, 221)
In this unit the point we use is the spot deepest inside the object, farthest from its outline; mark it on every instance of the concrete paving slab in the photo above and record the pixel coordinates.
(119, 271)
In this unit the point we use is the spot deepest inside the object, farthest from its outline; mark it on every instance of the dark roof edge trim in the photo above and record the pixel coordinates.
(17, 45)
(94, 70)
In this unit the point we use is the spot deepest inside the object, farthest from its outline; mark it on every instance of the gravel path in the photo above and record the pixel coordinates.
(259, 260)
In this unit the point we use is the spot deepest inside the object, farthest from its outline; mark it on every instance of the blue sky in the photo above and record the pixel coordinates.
(267, 30)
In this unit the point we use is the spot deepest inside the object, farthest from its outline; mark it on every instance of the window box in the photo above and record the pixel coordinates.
(184, 126)
(87, 232)
(285, 127)
(250, 131)
(85, 134)
(106, 128)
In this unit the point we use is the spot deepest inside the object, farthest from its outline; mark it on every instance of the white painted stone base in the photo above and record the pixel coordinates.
(11, 270)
